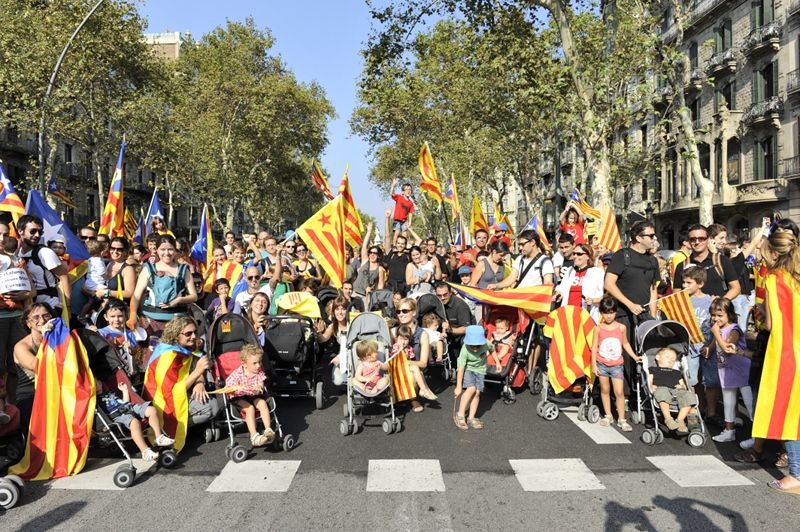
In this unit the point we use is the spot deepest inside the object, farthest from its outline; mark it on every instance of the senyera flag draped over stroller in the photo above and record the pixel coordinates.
(63, 408)
(572, 331)
(164, 384)
(535, 301)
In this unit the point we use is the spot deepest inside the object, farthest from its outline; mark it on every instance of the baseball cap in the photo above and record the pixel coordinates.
(464, 270)
(474, 335)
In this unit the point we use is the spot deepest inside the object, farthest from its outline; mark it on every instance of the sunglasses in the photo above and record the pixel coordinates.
(252, 277)
(116, 249)
(522, 242)
(698, 239)
(404, 311)
(189, 333)
(578, 254)
(373, 252)
(86, 237)
(301, 250)
(39, 317)
(647, 235)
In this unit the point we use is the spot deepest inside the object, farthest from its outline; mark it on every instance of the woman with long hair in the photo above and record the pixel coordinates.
(491, 269)
(332, 336)
(256, 314)
(37, 319)
(582, 283)
(120, 274)
(159, 227)
(371, 275)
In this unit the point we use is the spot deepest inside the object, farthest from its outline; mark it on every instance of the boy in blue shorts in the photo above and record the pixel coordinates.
(471, 372)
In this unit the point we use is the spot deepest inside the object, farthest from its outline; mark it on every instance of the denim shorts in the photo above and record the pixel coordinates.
(473, 379)
(612, 372)
(136, 411)
(694, 369)
(399, 226)
(708, 366)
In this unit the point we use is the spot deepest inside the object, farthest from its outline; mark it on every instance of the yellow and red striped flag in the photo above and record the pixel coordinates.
(352, 220)
(9, 201)
(477, 219)
(777, 414)
(63, 408)
(323, 233)
(320, 181)
(451, 197)
(535, 301)
(571, 330)
(609, 234)
(113, 218)
(430, 181)
(584, 207)
(165, 385)
(401, 378)
(678, 307)
(130, 224)
(500, 218)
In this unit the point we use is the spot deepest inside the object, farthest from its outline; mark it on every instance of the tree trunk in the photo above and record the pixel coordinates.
(52, 154)
(98, 171)
(229, 216)
(171, 210)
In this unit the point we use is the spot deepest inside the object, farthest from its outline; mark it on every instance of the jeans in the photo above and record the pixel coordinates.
(741, 304)
(793, 451)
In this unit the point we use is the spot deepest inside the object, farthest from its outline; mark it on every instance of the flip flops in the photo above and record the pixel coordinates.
(776, 485)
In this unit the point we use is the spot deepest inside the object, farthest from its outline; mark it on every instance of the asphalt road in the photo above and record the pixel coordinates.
(520, 473)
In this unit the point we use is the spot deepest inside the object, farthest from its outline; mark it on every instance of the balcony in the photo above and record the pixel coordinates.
(765, 190)
(766, 39)
(695, 81)
(662, 97)
(703, 9)
(790, 167)
(767, 113)
(793, 9)
(793, 83)
(722, 63)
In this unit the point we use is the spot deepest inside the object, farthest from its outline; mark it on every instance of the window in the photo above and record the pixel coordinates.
(704, 151)
(672, 170)
(693, 55)
(67, 153)
(90, 207)
(643, 132)
(717, 177)
(761, 12)
(666, 21)
(723, 36)
(12, 134)
(644, 189)
(139, 177)
(765, 165)
(725, 96)
(733, 166)
(694, 107)
(765, 82)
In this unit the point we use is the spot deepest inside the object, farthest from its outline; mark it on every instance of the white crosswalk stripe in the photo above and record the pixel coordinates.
(698, 471)
(598, 434)
(405, 475)
(558, 474)
(256, 475)
(97, 476)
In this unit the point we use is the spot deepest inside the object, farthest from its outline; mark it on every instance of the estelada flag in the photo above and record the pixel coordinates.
(165, 385)
(678, 307)
(430, 181)
(609, 234)
(477, 219)
(320, 181)
(535, 225)
(571, 330)
(63, 408)
(401, 378)
(323, 234)
(777, 414)
(585, 208)
(451, 197)
(352, 220)
(501, 218)
(534, 301)
(112, 221)
(9, 200)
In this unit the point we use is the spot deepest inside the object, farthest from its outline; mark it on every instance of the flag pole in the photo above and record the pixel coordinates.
(447, 222)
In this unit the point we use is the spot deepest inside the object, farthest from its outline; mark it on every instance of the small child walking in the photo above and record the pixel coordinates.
(667, 384)
(369, 372)
(733, 365)
(252, 393)
(471, 373)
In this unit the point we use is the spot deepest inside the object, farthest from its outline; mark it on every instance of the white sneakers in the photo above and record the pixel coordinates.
(725, 436)
(269, 435)
(149, 455)
(747, 444)
(164, 441)
(428, 394)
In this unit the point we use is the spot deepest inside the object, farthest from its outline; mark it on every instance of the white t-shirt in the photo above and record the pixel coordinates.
(42, 278)
(242, 299)
(533, 277)
(433, 334)
(95, 273)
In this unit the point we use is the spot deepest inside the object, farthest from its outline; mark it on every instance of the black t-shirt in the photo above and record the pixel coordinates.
(667, 377)
(636, 274)
(741, 268)
(457, 312)
(714, 285)
(565, 266)
(396, 264)
(443, 264)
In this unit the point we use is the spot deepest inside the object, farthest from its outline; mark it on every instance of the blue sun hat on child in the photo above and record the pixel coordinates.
(474, 335)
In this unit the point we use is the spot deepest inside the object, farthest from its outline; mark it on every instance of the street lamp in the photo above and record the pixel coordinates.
(50, 85)
(648, 211)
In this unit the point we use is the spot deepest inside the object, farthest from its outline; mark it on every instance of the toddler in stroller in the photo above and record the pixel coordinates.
(668, 387)
(250, 396)
(505, 327)
(369, 371)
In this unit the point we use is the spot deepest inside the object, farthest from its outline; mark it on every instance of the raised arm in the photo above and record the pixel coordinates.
(365, 244)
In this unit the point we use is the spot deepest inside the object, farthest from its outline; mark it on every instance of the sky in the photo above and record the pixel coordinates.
(319, 40)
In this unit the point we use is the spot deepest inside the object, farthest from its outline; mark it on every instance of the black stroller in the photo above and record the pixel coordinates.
(381, 301)
(227, 336)
(430, 303)
(291, 347)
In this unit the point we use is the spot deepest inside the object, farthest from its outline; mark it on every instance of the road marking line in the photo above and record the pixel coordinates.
(255, 476)
(559, 474)
(405, 475)
(96, 476)
(698, 471)
(598, 434)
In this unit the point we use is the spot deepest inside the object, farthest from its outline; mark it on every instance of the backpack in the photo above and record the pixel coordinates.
(51, 287)
(626, 253)
(541, 258)
(164, 288)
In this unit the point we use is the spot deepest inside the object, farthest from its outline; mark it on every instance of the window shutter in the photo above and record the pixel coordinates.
(758, 161)
(727, 34)
(773, 161)
(733, 95)
(768, 11)
(775, 78)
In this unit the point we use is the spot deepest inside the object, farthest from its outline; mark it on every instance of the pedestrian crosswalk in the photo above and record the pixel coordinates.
(425, 475)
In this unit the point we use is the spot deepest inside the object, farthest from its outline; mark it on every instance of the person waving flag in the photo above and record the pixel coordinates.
(430, 181)
(112, 223)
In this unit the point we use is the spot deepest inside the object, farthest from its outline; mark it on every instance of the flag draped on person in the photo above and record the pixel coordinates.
(777, 415)
(9, 200)
(323, 234)
(112, 220)
(609, 234)
(535, 301)
(165, 385)
(153, 210)
(352, 219)
(477, 219)
(678, 307)
(571, 330)
(54, 227)
(401, 378)
(320, 181)
(451, 197)
(536, 226)
(430, 181)
(63, 408)
(53, 190)
(585, 208)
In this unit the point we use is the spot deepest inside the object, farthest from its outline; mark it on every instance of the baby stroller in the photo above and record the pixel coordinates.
(513, 365)
(367, 326)
(651, 336)
(325, 296)
(12, 449)
(430, 303)
(109, 368)
(291, 347)
(381, 301)
(568, 360)
(227, 336)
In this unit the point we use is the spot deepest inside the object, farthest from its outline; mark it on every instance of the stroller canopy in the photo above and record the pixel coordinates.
(104, 360)
(368, 326)
(430, 303)
(230, 332)
(653, 333)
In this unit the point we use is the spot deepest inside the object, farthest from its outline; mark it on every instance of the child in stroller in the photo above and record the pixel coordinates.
(251, 395)
(369, 370)
(504, 328)
(431, 324)
(668, 386)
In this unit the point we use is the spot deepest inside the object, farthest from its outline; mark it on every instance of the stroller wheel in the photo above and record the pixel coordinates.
(593, 414)
(659, 436)
(540, 408)
(344, 427)
(288, 443)
(208, 435)
(345, 409)
(239, 454)
(535, 381)
(388, 427)
(124, 476)
(648, 437)
(446, 373)
(356, 426)
(550, 411)
(15, 450)
(635, 417)
(319, 396)
(582, 413)
(217, 434)
(398, 425)
(696, 439)
(9, 494)
(168, 459)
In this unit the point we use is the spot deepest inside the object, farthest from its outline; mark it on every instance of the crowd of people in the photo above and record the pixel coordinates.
(132, 287)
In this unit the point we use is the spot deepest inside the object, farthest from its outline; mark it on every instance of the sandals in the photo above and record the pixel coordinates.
(416, 406)
(474, 423)
(606, 421)
(624, 425)
(782, 461)
(461, 423)
(776, 485)
(750, 456)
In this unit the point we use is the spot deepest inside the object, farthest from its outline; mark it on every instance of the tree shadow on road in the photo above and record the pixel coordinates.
(689, 513)
(52, 518)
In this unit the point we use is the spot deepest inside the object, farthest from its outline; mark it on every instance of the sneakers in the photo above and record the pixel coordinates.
(164, 441)
(149, 455)
(747, 444)
(682, 428)
(269, 435)
(671, 423)
(429, 395)
(4, 418)
(725, 436)
(258, 440)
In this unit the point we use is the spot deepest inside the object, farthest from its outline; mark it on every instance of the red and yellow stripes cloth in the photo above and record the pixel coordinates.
(63, 408)
(430, 180)
(535, 301)
(352, 219)
(165, 386)
(678, 307)
(324, 236)
(401, 378)
(777, 414)
(571, 330)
